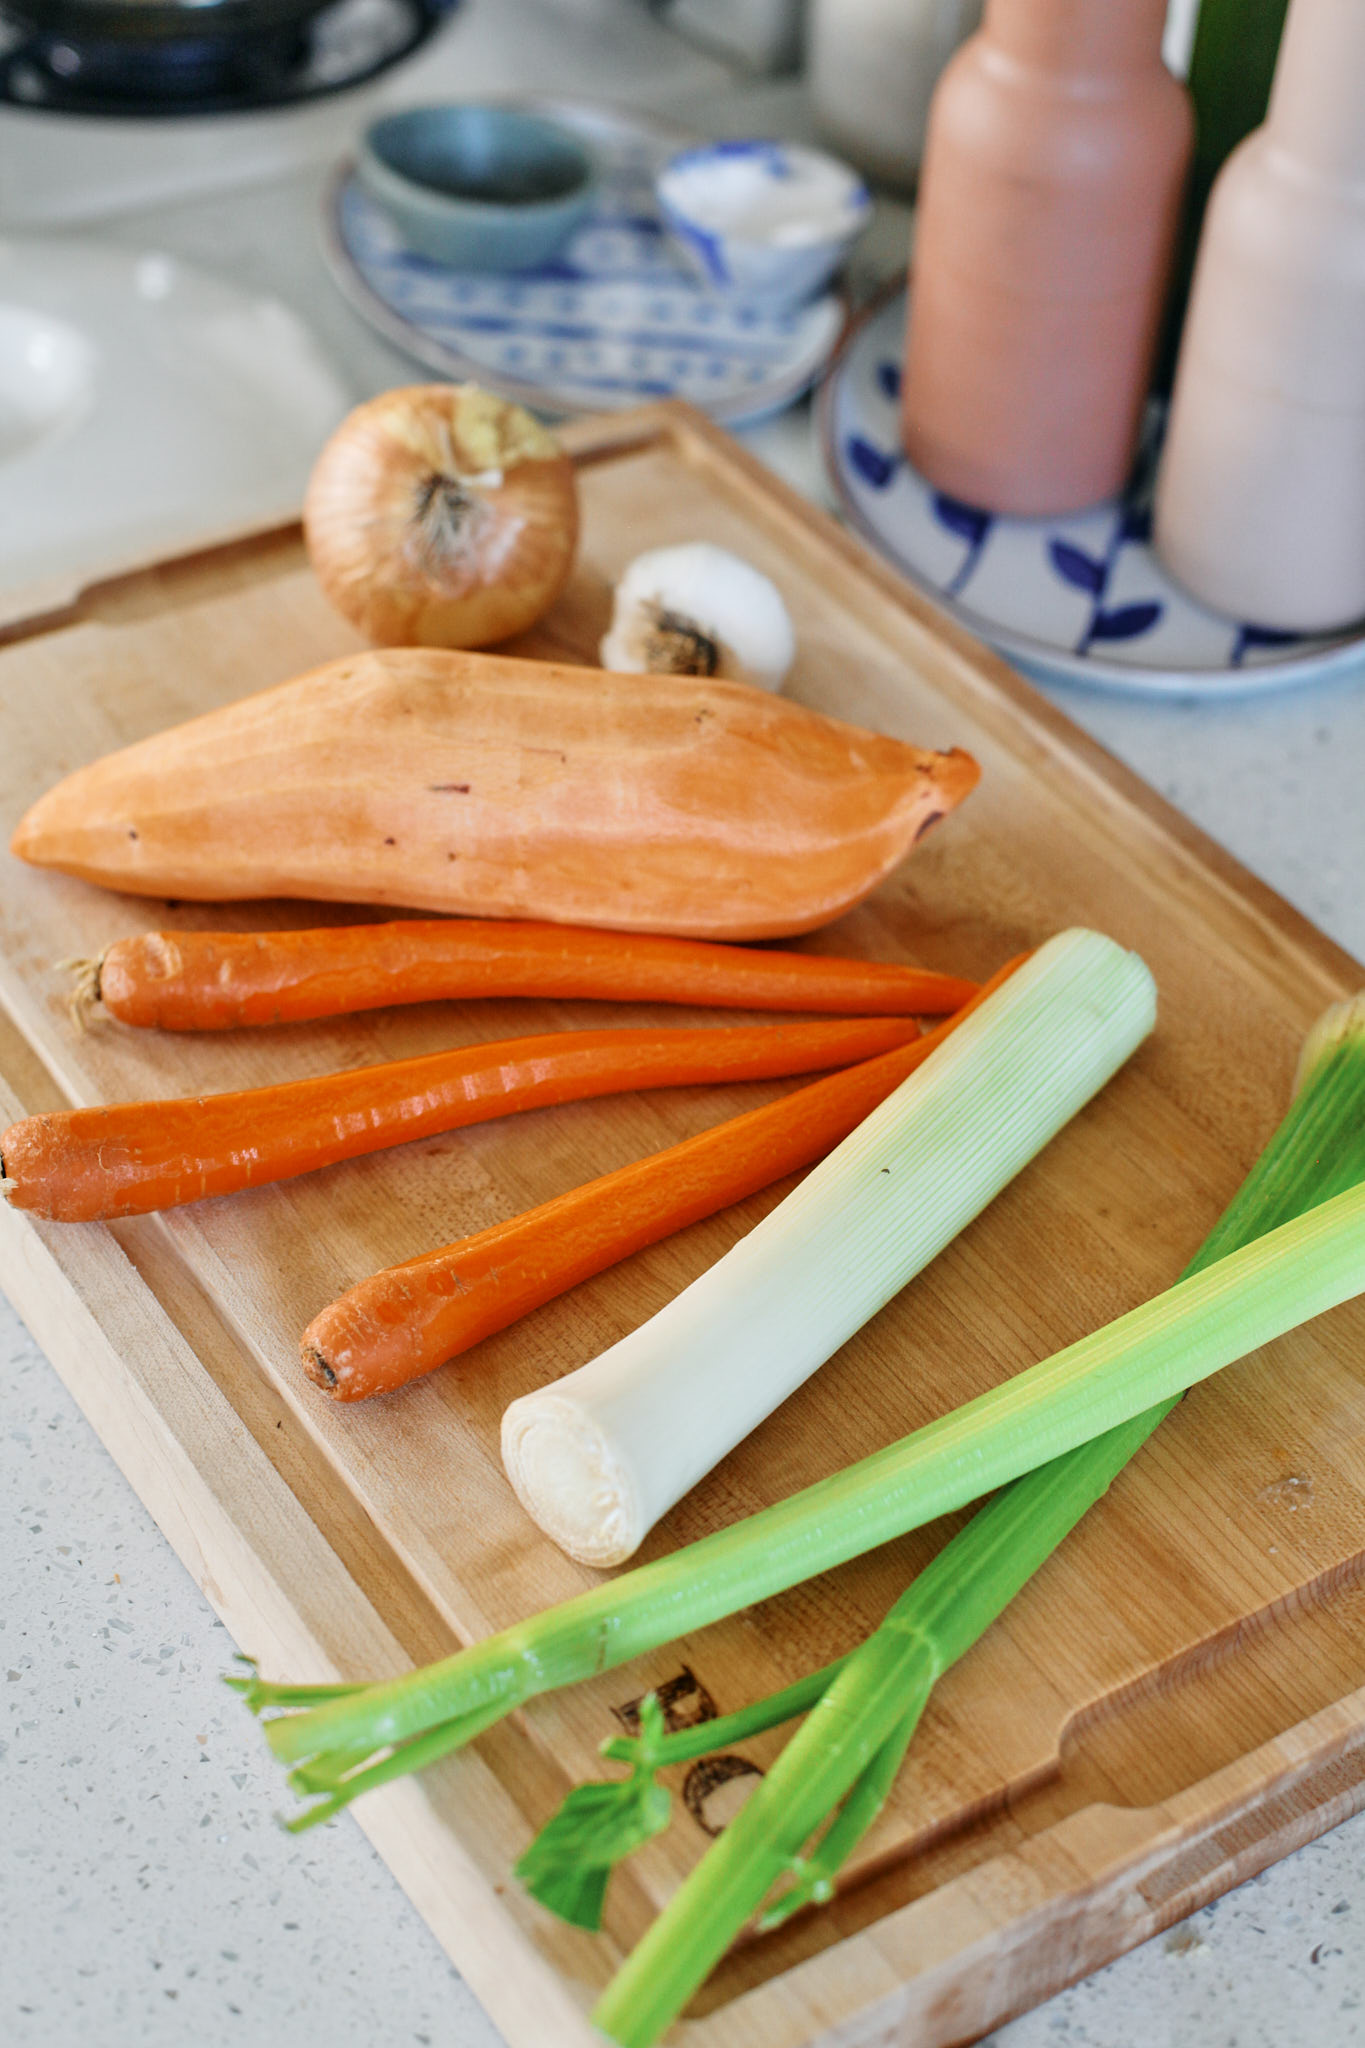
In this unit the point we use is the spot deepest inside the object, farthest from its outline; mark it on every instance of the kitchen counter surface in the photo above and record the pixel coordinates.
(145, 1897)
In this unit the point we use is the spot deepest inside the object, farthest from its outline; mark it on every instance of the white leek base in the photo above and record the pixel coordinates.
(596, 1459)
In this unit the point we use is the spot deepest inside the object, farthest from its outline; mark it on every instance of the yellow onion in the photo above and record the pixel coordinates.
(441, 516)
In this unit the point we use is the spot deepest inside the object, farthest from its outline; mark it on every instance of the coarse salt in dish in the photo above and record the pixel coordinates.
(766, 219)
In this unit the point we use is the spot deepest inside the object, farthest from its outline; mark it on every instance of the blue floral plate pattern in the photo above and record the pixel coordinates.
(614, 320)
(1081, 597)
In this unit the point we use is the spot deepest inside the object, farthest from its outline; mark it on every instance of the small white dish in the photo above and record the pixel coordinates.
(771, 220)
(1080, 599)
(145, 410)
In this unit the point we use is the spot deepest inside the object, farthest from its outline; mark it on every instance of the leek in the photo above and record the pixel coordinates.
(599, 1456)
(876, 1700)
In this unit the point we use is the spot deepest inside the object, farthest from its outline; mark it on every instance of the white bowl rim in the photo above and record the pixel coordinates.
(855, 200)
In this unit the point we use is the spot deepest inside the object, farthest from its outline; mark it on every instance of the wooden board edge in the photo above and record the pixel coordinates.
(55, 600)
(270, 1577)
(998, 1940)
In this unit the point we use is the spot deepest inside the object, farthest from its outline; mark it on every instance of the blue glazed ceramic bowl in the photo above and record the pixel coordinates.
(477, 187)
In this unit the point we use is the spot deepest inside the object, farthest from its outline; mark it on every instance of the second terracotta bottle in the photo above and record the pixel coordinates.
(1057, 152)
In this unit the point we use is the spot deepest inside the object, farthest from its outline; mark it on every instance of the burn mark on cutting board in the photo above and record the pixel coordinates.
(705, 1794)
(683, 1698)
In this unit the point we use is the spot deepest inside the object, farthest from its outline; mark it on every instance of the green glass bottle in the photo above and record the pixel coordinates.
(1233, 61)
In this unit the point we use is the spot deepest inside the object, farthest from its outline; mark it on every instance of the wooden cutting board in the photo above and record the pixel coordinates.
(1180, 1695)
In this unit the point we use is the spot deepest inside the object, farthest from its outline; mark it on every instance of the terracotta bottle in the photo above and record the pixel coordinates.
(1260, 506)
(1056, 156)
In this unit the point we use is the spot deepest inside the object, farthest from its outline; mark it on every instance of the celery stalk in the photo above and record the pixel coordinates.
(816, 1870)
(1317, 1153)
(874, 1702)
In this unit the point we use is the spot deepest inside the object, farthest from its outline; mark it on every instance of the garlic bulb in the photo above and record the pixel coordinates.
(698, 610)
(441, 516)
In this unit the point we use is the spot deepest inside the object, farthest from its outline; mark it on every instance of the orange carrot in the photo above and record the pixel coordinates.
(213, 981)
(406, 1321)
(80, 1164)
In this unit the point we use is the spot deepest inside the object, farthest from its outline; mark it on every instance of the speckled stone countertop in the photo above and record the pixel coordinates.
(146, 1900)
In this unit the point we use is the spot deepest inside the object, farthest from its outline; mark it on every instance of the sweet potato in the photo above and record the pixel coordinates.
(499, 788)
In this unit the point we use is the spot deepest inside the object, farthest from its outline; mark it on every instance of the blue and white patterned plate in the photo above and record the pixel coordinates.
(616, 319)
(1082, 597)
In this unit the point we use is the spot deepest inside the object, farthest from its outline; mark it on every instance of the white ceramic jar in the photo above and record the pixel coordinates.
(1260, 505)
(873, 66)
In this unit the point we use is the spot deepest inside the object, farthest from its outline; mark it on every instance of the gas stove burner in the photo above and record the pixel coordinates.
(149, 60)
